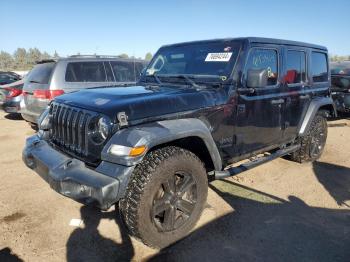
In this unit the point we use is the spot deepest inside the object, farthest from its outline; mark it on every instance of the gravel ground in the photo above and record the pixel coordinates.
(281, 211)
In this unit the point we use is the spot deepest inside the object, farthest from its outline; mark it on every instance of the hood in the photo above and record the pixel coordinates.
(139, 102)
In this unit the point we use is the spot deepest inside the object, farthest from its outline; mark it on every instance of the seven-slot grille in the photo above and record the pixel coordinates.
(69, 128)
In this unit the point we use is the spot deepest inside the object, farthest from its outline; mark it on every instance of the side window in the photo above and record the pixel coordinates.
(123, 71)
(109, 73)
(296, 67)
(264, 60)
(319, 67)
(139, 68)
(85, 72)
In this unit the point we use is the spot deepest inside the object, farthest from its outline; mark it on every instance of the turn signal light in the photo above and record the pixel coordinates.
(137, 151)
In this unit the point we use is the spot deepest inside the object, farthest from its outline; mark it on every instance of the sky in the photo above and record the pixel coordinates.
(137, 27)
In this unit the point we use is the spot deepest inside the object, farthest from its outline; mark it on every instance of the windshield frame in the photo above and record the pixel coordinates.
(197, 78)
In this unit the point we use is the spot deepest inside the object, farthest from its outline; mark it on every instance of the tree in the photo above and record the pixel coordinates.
(148, 56)
(33, 56)
(20, 57)
(6, 61)
(123, 56)
(45, 56)
(56, 55)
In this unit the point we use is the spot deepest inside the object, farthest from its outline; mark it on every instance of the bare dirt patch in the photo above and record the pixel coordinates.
(281, 211)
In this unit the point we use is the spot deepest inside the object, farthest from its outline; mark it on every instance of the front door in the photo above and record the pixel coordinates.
(259, 109)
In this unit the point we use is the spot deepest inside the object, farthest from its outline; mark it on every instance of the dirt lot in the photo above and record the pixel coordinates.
(282, 211)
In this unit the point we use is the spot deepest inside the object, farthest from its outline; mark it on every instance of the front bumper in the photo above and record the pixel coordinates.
(102, 186)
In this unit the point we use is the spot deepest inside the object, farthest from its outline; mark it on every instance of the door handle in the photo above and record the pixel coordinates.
(304, 96)
(277, 101)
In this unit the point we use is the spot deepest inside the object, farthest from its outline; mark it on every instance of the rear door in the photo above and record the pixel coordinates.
(37, 80)
(297, 87)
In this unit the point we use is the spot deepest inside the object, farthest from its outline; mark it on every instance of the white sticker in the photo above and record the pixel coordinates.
(218, 57)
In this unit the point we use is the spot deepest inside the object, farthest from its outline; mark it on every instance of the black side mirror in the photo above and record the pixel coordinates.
(257, 78)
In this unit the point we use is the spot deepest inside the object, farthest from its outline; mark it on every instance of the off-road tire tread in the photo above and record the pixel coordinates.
(302, 155)
(141, 176)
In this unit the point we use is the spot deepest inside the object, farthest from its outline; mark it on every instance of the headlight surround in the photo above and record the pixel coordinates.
(44, 121)
(104, 126)
(100, 130)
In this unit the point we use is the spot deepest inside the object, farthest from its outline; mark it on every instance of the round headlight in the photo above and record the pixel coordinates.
(104, 127)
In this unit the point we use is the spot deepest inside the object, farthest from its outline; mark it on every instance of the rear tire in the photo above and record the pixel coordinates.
(312, 145)
(165, 196)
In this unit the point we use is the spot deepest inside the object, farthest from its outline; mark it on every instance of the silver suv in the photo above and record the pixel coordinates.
(51, 78)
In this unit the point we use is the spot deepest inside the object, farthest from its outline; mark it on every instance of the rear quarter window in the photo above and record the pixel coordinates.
(85, 72)
(319, 67)
(126, 71)
(41, 73)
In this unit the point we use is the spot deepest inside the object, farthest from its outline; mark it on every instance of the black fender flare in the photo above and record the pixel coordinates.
(312, 110)
(160, 132)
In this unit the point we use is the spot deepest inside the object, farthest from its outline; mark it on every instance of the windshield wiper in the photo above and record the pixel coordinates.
(189, 80)
(34, 82)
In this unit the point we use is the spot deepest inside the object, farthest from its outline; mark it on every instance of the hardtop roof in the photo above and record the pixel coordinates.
(255, 40)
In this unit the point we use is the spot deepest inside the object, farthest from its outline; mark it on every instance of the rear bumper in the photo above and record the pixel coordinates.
(11, 106)
(33, 118)
(70, 177)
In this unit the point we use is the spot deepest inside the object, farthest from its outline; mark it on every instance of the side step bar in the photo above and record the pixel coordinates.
(254, 163)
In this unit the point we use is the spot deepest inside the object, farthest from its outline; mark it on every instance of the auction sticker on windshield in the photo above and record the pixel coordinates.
(218, 57)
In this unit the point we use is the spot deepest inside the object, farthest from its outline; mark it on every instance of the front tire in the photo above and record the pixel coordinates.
(312, 145)
(165, 196)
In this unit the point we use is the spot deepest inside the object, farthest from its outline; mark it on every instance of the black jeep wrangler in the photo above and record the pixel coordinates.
(198, 108)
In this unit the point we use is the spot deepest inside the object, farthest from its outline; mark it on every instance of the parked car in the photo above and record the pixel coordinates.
(51, 78)
(8, 77)
(198, 108)
(10, 96)
(340, 73)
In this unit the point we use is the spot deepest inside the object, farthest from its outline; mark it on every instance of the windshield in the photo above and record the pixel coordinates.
(41, 73)
(340, 68)
(207, 60)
